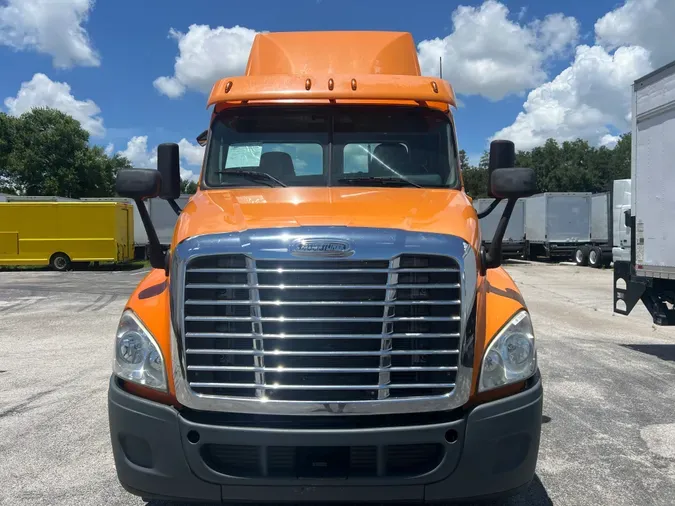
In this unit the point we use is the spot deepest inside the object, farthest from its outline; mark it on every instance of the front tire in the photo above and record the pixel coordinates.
(581, 256)
(60, 262)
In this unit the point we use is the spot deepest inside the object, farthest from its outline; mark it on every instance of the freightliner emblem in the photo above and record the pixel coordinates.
(321, 248)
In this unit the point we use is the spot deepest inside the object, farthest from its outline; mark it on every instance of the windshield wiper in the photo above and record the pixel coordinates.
(382, 181)
(262, 177)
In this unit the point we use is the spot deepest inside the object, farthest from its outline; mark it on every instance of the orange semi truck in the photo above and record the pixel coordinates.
(325, 325)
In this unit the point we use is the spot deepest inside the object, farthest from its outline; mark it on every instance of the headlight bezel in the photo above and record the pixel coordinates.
(504, 371)
(144, 369)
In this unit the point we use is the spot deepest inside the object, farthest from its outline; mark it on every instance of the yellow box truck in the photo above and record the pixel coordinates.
(60, 232)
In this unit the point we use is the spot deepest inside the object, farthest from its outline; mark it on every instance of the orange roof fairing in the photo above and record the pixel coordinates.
(310, 66)
(333, 52)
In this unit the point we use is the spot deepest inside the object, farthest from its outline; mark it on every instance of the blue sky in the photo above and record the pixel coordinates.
(575, 59)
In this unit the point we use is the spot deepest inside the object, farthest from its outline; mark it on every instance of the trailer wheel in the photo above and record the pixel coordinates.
(595, 257)
(581, 256)
(59, 262)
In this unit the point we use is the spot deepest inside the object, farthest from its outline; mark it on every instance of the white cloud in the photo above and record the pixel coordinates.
(141, 157)
(645, 23)
(584, 100)
(193, 154)
(205, 55)
(41, 91)
(50, 27)
(489, 54)
(110, 149)
(609, 140)
(137, 153)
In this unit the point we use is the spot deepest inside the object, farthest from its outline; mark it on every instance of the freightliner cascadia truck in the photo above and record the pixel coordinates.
(325, 325)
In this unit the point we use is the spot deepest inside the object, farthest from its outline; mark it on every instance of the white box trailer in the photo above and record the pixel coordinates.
(557, 224)
(649, 275)
(514, 237)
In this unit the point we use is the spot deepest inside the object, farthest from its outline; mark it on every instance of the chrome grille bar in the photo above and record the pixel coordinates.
(318, 370)
(386, 320)
(318, 353)
(208, 302)
(222, 335)
(323, 387)
(220, 286)
(318, 271)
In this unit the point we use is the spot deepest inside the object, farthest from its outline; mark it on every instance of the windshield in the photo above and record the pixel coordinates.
(331, 146)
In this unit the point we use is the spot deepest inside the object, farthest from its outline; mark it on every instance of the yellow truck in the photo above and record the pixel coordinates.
(58, 233)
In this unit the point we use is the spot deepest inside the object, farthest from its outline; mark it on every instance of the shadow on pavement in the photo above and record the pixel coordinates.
(536, 495)
(662, 351)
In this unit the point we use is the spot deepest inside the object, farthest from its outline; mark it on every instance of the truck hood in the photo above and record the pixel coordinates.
(414, 209)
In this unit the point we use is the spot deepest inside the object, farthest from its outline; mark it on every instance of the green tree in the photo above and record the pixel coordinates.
(188, 186)
(463, 160)
(476, 178)
(621, 157)
(7, 136)
(49, 154)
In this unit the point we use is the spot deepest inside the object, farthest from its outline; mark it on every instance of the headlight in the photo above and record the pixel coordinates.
(137, 356)
(511, 356)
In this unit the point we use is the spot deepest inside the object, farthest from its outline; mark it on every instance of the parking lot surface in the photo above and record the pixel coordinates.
(609, 411)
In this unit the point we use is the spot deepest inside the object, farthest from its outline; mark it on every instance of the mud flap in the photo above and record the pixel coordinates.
(627, 293)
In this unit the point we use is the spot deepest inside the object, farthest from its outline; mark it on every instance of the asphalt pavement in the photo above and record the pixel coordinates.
(609, 411)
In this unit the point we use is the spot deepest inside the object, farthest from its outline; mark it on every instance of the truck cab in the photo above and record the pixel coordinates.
(326, 325)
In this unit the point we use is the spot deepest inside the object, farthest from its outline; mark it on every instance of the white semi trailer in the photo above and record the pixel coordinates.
(513, 244)
(649, 274)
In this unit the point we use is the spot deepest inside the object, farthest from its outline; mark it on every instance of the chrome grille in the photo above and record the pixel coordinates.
(322, 330)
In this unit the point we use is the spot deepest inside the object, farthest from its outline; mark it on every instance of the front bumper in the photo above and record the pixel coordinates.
(157, 454)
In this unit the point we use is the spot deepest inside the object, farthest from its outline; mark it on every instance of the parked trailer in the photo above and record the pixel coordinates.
(514, 237)
(58, 233)
(556, 224)
(620, 231)
(649, 275)
(598, 251)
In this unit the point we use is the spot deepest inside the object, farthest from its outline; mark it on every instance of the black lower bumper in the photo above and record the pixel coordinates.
(161, 453)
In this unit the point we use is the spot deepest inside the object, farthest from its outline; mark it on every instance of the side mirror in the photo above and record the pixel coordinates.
(513, 183)
(502, 156)
(168, 165)
(138, 184)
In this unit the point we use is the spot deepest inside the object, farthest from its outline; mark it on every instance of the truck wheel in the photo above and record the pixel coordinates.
(595, 257)
(581, 256)
(59, 262)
